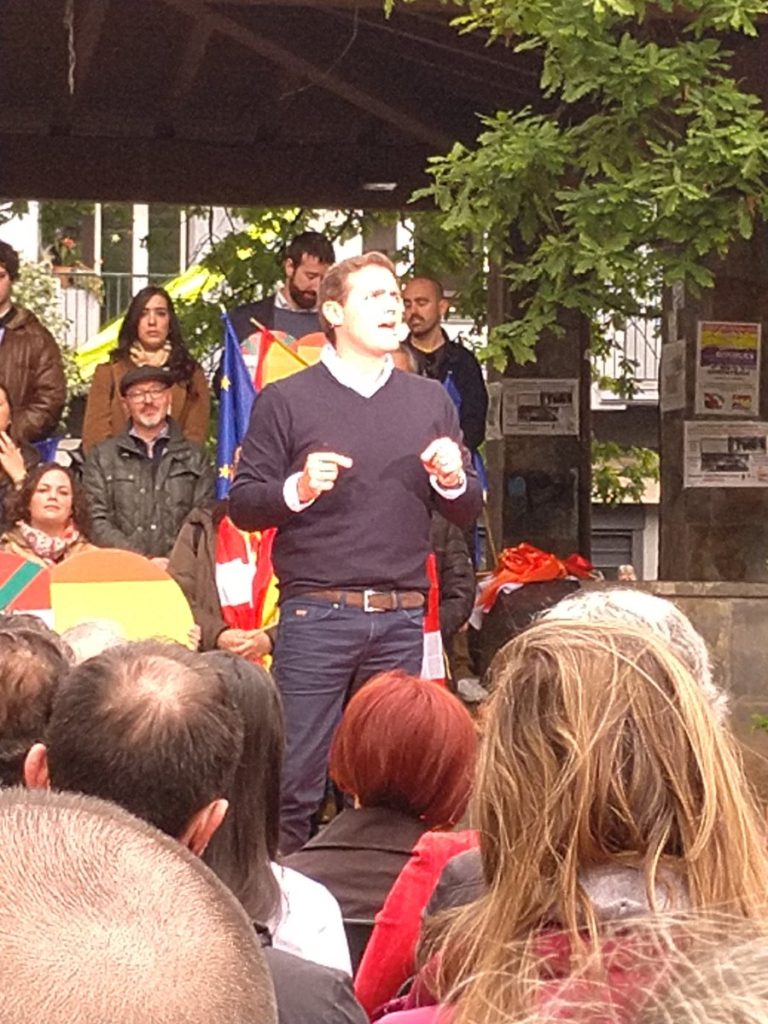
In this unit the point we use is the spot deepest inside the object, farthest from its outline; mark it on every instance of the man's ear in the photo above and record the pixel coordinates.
(444, 305)
(333, 313)
(125, 407)
(289, 267)
(202, 825)
(36, 768)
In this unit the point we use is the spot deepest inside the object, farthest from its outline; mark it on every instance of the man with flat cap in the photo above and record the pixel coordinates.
(142, 483)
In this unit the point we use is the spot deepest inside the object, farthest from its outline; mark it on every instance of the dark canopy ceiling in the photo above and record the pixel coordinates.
(239, 101)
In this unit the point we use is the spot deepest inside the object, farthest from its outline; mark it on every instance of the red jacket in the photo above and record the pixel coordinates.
(389, 957)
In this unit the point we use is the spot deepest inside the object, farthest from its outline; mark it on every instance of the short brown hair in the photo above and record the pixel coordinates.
(334, 287)
(407, 744)
(32, 667)
(105, 919)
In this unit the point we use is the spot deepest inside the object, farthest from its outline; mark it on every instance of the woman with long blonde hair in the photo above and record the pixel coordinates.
(607, 789)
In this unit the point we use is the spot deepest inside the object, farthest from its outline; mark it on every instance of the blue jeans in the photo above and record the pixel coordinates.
(323, 654)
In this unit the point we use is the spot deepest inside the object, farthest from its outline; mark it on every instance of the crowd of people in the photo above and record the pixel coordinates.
(191, 836)
(614, 849)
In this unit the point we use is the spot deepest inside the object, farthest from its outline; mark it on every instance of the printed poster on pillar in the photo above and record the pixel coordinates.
(727, 369)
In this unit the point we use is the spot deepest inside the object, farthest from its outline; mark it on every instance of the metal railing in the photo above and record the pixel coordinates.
(640, 343)
(90, 300)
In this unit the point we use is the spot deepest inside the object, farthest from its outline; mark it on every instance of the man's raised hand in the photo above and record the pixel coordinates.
(321, 470)
(443, 460)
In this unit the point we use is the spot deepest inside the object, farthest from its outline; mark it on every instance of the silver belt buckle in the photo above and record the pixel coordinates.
(367, 594)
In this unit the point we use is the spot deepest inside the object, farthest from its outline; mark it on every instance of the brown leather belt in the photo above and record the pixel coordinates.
(372, 600)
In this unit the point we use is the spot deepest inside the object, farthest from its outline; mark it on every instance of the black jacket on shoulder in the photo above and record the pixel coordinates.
(308, 993)
(461, 363)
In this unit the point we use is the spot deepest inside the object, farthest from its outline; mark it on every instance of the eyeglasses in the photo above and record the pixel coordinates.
(147, 394)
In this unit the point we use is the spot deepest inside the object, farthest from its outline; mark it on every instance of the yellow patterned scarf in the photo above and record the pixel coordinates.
(150, 357)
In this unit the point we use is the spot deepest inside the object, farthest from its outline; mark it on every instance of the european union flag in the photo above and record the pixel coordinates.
(236, 398)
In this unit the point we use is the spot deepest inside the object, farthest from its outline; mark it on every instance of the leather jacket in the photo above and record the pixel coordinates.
(32, 373)
(139, 503)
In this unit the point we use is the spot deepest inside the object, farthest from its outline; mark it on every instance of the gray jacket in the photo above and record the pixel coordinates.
(138, 503)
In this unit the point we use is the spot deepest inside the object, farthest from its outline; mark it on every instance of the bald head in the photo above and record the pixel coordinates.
(149, 726)
(104, 919)
(425, 307)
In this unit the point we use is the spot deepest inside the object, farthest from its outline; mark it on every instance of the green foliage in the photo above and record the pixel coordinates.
(621, 473)
(760, 723)
(650, 160)
(247, 263)
(37, 290)
(62, 218)
(10, 208)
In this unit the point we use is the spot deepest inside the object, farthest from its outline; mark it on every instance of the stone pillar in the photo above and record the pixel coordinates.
(540, 485)
(707, 533)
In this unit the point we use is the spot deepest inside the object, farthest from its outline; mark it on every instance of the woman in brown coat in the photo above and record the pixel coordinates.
(150, 335)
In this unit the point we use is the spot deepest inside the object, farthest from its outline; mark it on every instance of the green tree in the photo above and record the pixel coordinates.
(649, 160)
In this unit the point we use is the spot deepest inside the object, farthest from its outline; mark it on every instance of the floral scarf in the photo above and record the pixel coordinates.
(150, 357)
(50, 549)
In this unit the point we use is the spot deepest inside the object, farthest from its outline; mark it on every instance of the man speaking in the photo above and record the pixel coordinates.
(347, 459)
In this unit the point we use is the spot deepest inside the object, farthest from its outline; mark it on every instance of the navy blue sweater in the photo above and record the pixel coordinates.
(373, 528)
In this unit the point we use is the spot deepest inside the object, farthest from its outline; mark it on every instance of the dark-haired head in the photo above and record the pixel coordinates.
(407, 744)
(19, 503)
(243, 848)
(9, 260)
(309, 243)
(151, 727)
(180, 362)
(32, 666)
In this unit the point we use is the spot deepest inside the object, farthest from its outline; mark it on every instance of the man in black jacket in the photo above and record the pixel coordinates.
(439, 358)
(293, 307)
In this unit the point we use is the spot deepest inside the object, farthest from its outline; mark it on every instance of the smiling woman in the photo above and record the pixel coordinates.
(150, 335)
(50, 517)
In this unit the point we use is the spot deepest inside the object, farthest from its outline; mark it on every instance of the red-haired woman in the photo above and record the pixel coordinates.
(405, 751)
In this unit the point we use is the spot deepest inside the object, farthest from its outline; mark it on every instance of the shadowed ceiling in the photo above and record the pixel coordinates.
(240, 101)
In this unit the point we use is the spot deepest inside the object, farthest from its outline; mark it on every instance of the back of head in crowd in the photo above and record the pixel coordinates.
(601, 755)
(244, 846)
(409, 745)
(151, 727)
(104, 919)
(32, 666)
(644, 610)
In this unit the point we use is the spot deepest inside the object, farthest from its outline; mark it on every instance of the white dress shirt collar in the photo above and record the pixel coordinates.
(351, 378)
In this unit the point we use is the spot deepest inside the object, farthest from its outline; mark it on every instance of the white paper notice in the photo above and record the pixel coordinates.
(726, 454)
(538, 406)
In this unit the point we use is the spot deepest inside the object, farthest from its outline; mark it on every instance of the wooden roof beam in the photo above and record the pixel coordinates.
(324, 79)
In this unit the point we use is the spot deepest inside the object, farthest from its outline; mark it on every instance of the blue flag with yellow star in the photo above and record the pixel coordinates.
(235, 401)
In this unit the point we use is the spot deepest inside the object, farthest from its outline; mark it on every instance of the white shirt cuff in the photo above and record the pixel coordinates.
(291, 494)
(452, 493)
